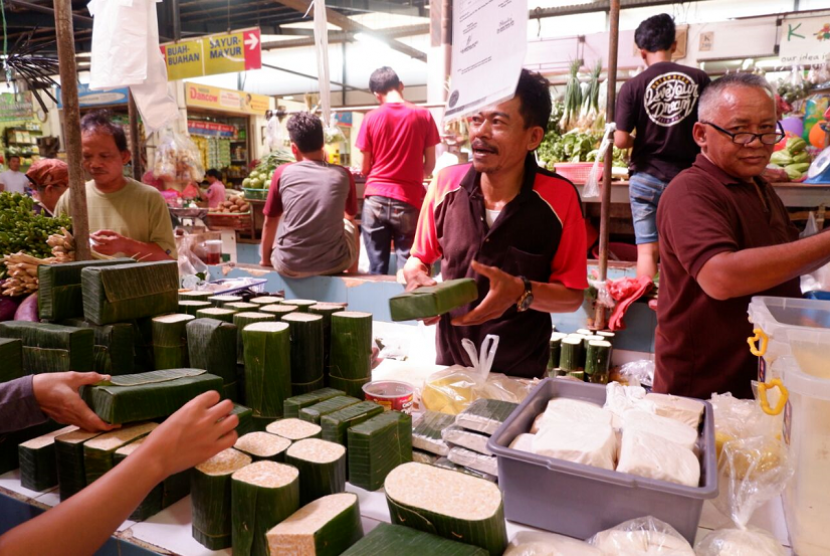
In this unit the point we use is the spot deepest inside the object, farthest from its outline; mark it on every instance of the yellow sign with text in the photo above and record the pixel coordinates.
(213, 54)
(225, 100)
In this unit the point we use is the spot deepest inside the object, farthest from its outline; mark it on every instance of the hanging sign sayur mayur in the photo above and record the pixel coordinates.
(213, 54)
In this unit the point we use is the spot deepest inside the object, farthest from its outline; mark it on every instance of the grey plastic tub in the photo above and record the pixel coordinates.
(580, 500)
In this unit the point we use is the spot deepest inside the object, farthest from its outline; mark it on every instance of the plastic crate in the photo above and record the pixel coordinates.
(580, 500)
(776, 317)
(255, 194)
(577, 172)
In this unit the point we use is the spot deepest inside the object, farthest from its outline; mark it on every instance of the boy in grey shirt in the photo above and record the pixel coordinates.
(310, 209)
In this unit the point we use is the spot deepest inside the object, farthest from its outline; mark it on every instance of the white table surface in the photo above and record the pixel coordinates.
(170, 531)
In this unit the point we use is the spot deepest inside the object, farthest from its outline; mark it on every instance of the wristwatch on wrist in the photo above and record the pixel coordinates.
(526, 299)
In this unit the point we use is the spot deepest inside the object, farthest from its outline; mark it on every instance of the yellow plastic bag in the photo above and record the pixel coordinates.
(451, 390)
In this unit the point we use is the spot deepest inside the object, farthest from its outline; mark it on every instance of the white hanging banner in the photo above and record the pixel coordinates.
(805, 40)
(321, 41)
(489, 41)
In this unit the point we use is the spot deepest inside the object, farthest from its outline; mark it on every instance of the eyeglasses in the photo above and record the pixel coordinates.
(744, 138)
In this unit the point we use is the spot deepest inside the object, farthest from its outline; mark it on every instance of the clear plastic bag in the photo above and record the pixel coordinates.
(537, 543)
(737, 542)
(753, 468)
(638, 373)
(474, 460)
(591, 188)
(451, 390)
(620, 398)
(177, 159)
(646, 536)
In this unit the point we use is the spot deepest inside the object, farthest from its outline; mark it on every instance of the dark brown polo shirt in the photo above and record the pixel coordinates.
(540, 234)
(700, 344)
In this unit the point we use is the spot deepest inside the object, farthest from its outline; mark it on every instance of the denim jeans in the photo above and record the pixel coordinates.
(384, 220)
(645, 191)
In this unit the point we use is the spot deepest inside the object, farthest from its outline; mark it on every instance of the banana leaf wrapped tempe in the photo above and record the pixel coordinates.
(131, 291)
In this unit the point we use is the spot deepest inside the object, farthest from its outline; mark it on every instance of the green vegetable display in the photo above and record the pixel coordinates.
(260, 177)
(793, 158)
(22, 230)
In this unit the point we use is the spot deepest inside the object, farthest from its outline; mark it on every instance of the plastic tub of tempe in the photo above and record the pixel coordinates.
(580, 500)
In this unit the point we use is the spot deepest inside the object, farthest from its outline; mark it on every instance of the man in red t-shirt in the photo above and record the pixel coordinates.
(398, 145)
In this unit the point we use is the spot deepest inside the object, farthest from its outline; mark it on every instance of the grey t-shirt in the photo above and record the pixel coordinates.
(311, 198)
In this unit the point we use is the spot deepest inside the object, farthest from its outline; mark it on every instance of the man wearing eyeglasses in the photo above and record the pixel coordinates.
(725, 236)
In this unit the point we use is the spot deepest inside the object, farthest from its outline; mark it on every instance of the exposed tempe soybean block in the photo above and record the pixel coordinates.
(433, 301)
(222, 300)
(266, 300)
(523, 443)
(38, 464)
(267, 368)
(301, 305)
(336, 424)
(474, 460)
(314, 412)
(130, 291)
(685, 410)
(52, 348)
(170, 341)
(195, 295)
(217, 313)
(651, 456)
(484, 415)
(193, 307)
(419, 456)
(586, 443)
(474, 441)
(386, 539)
(242, 306)
(114, 346)
(665, 427)
(377, 446)
(170, 490)
(244, 414)
(99, 452)
(294, 429)
(11, 353)
(325, 527)
(263, 446)
(69, 451)
(322, 467)
(59, 293)
(263, 494)
(427, 433)
(278, 311)
(157, 394)
(210, 498)
(9, 459)
(212, 346)
(452, 505)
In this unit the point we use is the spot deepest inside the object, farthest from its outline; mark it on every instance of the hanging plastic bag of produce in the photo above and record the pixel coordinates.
(591, 188)
(645, 536)
(536, 543)
(753, 468)
(177, 159)
(451, 390)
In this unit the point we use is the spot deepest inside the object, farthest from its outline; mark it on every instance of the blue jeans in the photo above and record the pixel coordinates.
(383, 220)
(645, 191)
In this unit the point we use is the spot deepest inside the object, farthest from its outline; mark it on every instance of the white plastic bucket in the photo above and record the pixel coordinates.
(807, 434)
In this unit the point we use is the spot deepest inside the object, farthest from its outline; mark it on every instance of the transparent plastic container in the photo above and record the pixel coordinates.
(775, 317)
(807, 435)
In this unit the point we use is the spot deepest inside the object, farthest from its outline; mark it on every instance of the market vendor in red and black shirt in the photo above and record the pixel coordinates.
(515, 228)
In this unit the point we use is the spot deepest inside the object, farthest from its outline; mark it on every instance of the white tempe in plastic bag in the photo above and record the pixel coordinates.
(587, 443)
(533, 543)
(653, 457)
(668, 429)
(736, 542)
(646, 536)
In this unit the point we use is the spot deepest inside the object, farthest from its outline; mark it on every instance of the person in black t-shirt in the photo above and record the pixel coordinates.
(661, 105)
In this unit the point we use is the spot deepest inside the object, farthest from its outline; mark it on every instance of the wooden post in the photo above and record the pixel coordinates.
(135, 140)
(605, 210)
(72, 126)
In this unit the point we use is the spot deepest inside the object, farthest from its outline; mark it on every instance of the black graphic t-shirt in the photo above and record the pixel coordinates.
(661, 104)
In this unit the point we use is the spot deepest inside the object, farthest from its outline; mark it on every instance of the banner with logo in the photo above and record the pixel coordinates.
(16, 107)
(805, 40)
(205, 96)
